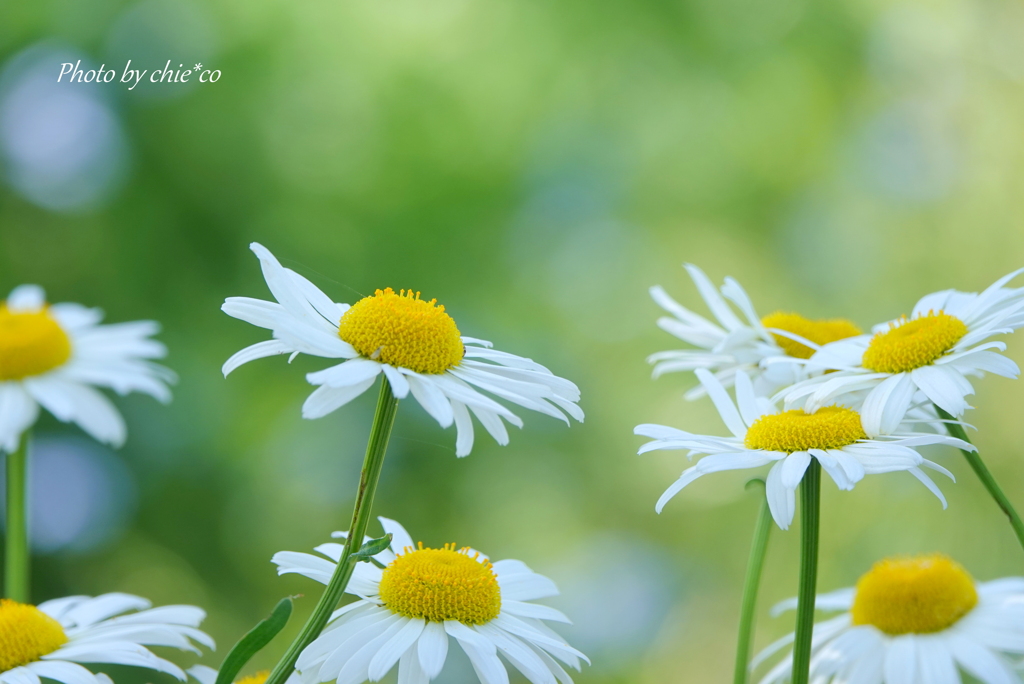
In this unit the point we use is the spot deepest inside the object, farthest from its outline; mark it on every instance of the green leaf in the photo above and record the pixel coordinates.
(370, 549)
(251, 644)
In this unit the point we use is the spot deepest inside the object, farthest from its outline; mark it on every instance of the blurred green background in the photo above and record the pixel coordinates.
(536, 166)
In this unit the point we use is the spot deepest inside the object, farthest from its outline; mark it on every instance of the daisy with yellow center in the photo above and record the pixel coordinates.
(928, 356)
(52, 639)
(914, 620)
(418, 599)
(412, 341)
(834, 436)
(744, 343)
(208, 675)
(55, 355)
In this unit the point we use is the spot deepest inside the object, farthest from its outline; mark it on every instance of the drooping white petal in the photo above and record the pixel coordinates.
(901, 660)
(18, 412)
(432, 649)
(81, 404)
(940, 385)
(259, 350)
(326, 399)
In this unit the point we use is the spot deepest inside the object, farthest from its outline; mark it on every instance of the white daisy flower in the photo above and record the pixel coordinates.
(762, 435)
(50, 640)
(407, 611)
(920, 620)
(414, 343)
(739, 343)
(208, 675)
(932, 354)
(55, 355)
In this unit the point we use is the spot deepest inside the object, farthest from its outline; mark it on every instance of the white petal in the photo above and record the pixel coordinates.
(326, 399)
(722, 401)
(781, 501)
(935, 662)
(533, 610)
(432, 649)
(432, 399)
(981, 662)
(464, 429)
(26, 298)
(400, 539)
(713, 299)
(793, 467)
(81, 404)
(18, 412)
(251, 353)
(399, 384)
(886, 405)
(409, 670)
(203, 674)
(939, 385)
(901, 661)
(353, 372)
(395, 648)
(69, 673)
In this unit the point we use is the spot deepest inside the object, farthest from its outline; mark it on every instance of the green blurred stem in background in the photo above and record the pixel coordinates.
(751, 584)
(16, 553)
(383, 422)
(810, 504)
(978, 466)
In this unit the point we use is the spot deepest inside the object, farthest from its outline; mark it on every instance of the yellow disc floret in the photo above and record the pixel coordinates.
(403, 330)
(26, 634)
(910, 344)
(820, 332)
(257, 678)
(31, 343)
(441, 584)
(830, 427)
(918, 595)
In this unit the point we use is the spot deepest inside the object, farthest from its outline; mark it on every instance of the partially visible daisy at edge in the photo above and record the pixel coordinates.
(52, 639)
(413, 342)
(739, 344)
(931, 354)
(408, 611)
(207, 675)
(914, 620)
(762, 435)
(55, 355)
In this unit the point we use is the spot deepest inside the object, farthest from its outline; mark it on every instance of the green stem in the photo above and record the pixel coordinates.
(978, 466)
(383, 421)
(16, 553)
(810, 500)
(750, 586)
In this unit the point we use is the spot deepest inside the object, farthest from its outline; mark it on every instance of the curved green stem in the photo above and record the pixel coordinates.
(383, 421)
(16, 552)
(750, 586)
(979, 468)
(810, 500)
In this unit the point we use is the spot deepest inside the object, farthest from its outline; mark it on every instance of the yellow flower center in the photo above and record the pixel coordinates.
(820, 332)
(441, 584)
(30, 343)
(910, 344)
(917, 595)
(26, 634)
(257, 678)
(830, 427)
(403, 330)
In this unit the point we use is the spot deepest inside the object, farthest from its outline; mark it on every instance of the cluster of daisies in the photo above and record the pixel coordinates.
(793, 394)
(806, 391)
(410, 601)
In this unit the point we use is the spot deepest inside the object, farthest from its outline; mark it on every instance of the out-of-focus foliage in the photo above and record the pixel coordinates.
(535, 166)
